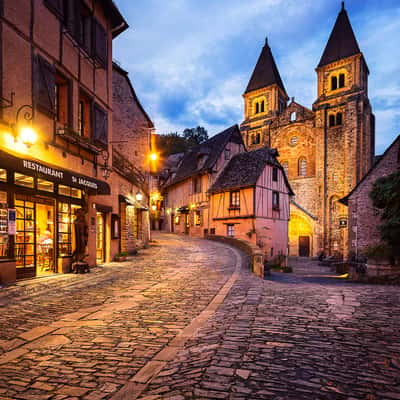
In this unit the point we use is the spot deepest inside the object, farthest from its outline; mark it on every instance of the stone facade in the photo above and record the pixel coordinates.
(363, 217)
(325, 151)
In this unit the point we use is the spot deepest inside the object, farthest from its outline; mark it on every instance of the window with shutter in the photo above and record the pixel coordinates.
(100, 134)
(56, 6)
(100, 43)
(44, 85)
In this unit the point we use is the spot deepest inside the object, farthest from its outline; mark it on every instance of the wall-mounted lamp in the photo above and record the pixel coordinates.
(25, 133)
(105, 168)
(139, 196)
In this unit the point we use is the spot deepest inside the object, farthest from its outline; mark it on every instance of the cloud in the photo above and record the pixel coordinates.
(190, 60)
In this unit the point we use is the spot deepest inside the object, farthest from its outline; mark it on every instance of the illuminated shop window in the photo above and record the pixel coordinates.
(70, 191)
(23, 180)
(3, 175)
(66, 239)
(44, 185)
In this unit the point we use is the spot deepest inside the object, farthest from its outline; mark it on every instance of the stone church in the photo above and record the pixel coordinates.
(325, 150)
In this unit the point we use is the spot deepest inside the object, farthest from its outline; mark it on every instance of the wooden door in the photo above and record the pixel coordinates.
(100, 237)
(304, 246)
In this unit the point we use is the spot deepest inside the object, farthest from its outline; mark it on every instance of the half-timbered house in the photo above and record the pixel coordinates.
(250, 200)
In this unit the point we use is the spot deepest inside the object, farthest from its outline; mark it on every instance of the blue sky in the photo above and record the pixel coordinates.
(190, 60)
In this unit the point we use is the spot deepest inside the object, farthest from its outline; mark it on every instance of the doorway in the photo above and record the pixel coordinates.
(304, 246)
(100, 237)
(35, 236)
(187, 224)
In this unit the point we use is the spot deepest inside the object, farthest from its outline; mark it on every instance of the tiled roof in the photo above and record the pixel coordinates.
(342, 42)
(203, 157)
(265, 72)
(244, 169)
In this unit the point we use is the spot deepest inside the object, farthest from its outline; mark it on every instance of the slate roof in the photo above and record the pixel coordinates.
(265, 72)
(210, 150)
(244, 169)
(342, 42)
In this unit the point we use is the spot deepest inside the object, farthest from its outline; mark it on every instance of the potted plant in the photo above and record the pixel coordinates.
(120, 256)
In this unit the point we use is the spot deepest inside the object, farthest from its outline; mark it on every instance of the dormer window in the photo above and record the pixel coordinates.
(293, 116)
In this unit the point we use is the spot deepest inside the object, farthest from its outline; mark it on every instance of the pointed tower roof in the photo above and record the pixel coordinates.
(342, 42)
(265, 72)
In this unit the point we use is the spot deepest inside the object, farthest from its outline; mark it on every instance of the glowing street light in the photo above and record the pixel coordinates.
(153, 156)
(27, 136)
(139, 196)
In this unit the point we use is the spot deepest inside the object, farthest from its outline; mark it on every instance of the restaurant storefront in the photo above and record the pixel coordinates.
(37, 212)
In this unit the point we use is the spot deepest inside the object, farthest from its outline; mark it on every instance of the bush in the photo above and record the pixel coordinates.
(379, 252)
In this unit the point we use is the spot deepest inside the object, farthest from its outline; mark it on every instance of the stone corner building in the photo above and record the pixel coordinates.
(325, 151)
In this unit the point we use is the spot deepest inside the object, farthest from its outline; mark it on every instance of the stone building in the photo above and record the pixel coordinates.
(132, 130)
(363, 217)
(325, 150)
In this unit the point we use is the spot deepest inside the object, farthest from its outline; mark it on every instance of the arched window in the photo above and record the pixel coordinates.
(257, 107)
(334, 83)
(341, 80)
(258, 138)
(302, 166)
(293, 116)
(331, 119)
(262, 109)
(339, 118)
(285, 166)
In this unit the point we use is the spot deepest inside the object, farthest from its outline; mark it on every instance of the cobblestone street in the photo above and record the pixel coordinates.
(184, 320)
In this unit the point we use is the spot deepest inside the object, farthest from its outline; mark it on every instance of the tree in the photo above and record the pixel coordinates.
(173, 142)
(385, 195)
(195, 136)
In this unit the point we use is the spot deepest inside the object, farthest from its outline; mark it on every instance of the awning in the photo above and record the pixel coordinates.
(183, 210)
(124, 199)
(33, 167)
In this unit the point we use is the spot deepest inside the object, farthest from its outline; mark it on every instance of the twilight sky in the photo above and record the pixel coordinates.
(190, 60)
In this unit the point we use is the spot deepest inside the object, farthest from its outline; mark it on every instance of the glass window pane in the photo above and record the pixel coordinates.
(45, 185)
(77, 193)
(3, 175)
(64, 190)
(23, 180)
(63, 207)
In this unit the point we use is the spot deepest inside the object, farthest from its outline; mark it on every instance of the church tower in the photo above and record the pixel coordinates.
(264, 99)
(346, 129)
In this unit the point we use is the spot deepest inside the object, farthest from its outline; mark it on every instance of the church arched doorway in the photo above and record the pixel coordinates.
(300, 236)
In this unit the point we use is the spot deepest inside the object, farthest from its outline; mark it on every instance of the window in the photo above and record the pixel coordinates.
(293, 141)
(256, 138)
(177, 220)
(197, 218)
(212, 231)
(262, 108)
(331, 120)
(3, 175)
(275, 200)
(44, 86)
(339, 118)
(230, 230)
(293, 116)
(334, 83)
(4, 244)
(61, 100)
(100, 43)
(84, 115)
(285, 166)
(227, 153)
(234, 199)
(100, 131)
(23, 180)
(302, 167)
(66, 238)
(69, 191)
(341, 80)
(197, 184)
(44, 185)
(257, 107)
(275, 174)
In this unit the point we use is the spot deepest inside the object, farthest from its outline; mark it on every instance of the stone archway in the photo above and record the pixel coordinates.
(300, 235)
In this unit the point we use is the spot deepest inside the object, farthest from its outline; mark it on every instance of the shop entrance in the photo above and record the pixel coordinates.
(100, 237)
(35, 236)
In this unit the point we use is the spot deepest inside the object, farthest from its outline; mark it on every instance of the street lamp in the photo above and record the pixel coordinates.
(25, 133)
(28, 136)
(153, 156)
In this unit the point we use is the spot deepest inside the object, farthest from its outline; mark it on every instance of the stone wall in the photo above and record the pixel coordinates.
(363, 217)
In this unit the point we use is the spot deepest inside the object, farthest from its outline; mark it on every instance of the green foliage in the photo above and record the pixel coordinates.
(385, 195)
(379, 251)
(173, 142)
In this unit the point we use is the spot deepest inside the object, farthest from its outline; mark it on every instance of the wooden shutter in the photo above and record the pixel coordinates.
(100, 134)
(44, 85)
(73, 19)
(100, 42)
(56, 6)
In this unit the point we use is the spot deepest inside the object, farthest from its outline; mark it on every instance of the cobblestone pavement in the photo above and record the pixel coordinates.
(180, 321)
